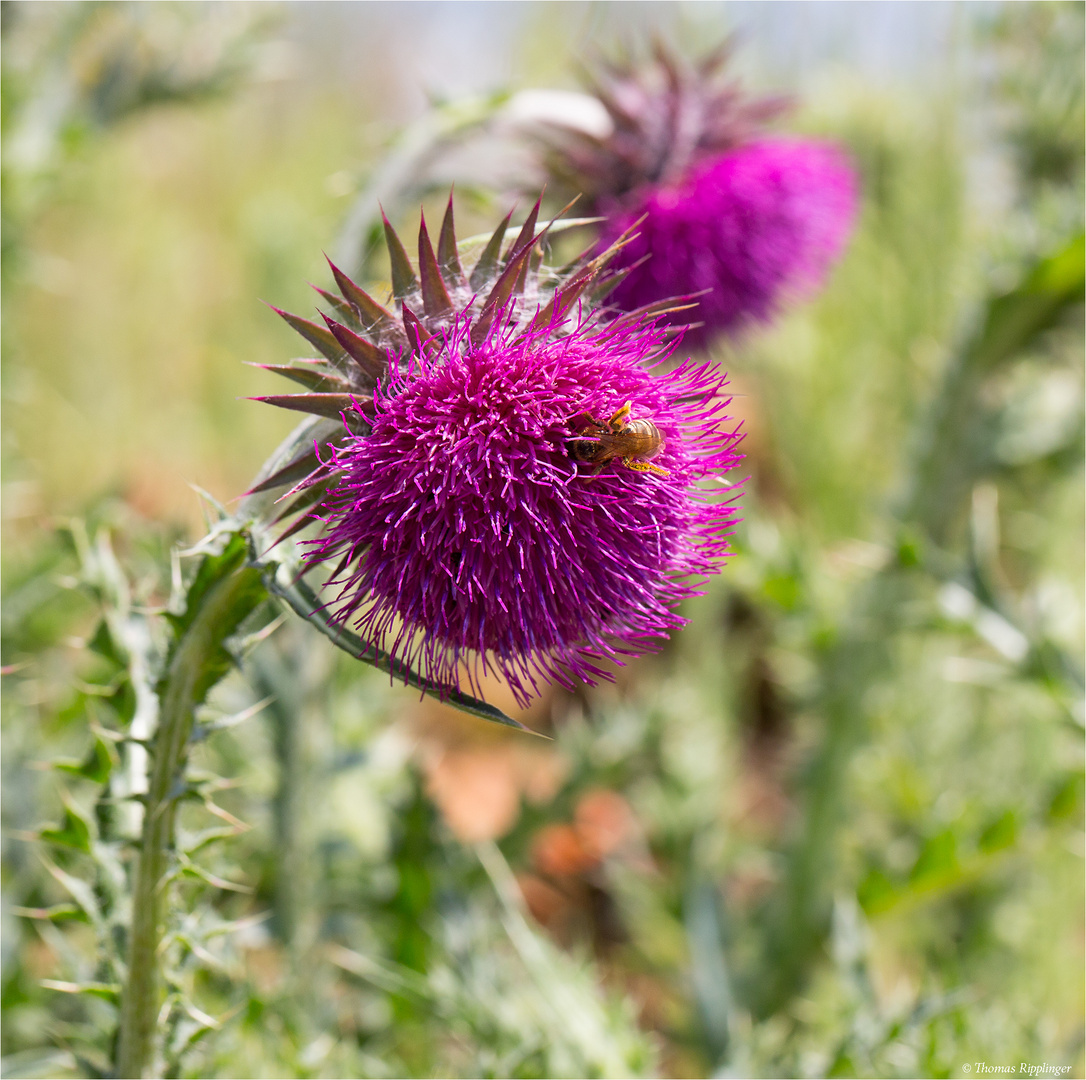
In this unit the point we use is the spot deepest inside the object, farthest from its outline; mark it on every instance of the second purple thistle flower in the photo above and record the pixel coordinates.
(747, 229)
(528, 488)
(723, 210)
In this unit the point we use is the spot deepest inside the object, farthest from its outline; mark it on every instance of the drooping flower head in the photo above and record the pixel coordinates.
(724, 210)
(523, 487)
(745, 230)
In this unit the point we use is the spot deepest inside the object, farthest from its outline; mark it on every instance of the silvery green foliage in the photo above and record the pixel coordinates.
(508, 1000)
(102, 836)
(85, 852)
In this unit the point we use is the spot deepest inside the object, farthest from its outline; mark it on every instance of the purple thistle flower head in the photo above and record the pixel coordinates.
(473, 538)
(749, 228)
(505, 480)
(721, 208)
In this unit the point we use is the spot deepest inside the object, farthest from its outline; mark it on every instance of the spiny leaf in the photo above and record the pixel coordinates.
(75, 832)
(199, 1032)
(221, 723)
(1000, 834)
(938, 859)
(210, 503)
(110, 992)
(105, 645)
(417, 334)
(190, 944)
(234, 925)
(346, 311)
(372, 360)
(198, 841)
(527, 231)
(96, 766)
(403, 276)
(447, 254)
(55, 913)
(315, 378)
(329, 405)
(295, 470)
(374, 315)
(1018, 316)
(435, 297)
(1068, 797)
(192, 870)
(504, 288)
(488, 261)
(212, 569)
(309, 495)
(79, 891)
(246, 592)
(317, 336)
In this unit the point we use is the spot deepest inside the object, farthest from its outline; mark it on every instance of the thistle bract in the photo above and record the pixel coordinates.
(459, 530)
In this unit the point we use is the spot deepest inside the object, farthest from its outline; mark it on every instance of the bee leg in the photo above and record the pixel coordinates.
(644, 466)
(584, 422)
(618, 421)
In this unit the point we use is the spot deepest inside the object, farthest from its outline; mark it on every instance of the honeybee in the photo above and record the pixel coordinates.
(634, 441)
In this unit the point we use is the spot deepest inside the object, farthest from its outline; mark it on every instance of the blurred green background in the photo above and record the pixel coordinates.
(836, 828)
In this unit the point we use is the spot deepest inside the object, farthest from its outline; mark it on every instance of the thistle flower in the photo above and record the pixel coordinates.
(722, 210)
(516, 485)
(745, 229)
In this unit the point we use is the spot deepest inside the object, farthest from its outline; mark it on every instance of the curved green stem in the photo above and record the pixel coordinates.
(953, 456)
(195, 661)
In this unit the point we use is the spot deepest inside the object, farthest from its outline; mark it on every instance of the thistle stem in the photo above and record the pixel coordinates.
(951, 458)
(181, 690)
(800, 920)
